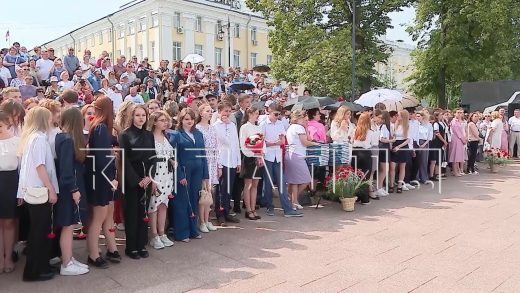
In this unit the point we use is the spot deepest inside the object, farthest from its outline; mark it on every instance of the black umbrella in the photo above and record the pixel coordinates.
(323, 101)
(352, 106)
(241, 86)
(262, 68)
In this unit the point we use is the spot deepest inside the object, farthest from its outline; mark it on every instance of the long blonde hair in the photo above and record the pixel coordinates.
(123, 120)
(403, 122)
(37, 119)
(340, 115)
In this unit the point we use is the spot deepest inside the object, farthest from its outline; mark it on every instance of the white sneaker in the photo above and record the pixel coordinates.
(404, 187)
(72, 270)
(54, 261)
(409, 186)
(120, 226)
(203, 228)
(165, 240)
(380, 192)
(298, 206)
(156, 243)
(210, 226)
(78, 263)
(474, 173)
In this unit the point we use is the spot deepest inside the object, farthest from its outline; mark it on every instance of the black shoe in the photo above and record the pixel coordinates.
(144, 253)
(232, 219)
(41, 277)
(133, 254)
(434, 179)
(14, 256)
(113, 257)
(100, 262)
(221, 221)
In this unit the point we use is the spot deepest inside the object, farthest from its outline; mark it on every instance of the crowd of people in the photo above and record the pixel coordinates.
(127, 147)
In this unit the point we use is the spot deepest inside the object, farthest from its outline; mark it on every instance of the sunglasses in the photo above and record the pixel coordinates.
(276, 114)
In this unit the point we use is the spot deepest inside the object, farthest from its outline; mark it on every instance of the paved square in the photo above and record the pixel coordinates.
(464, 240)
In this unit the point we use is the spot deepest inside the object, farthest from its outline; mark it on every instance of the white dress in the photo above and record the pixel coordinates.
(163, 177)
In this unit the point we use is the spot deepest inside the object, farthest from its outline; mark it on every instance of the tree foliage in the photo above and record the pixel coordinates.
(311, 41)
(463, 40)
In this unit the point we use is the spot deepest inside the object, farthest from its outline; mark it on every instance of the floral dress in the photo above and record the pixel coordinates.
(210, 142)
(163, 175)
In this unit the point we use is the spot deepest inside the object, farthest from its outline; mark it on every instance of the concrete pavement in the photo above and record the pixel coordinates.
(465, 239)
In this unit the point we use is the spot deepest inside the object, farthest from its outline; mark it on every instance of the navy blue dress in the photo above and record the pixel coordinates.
(192, 166)
(70, 179)
(99, 163)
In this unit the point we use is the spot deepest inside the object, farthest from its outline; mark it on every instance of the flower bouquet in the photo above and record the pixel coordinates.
(495, 157)
(345, 183)
(255, 143)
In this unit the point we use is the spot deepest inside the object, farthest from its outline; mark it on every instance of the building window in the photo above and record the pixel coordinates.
(198, 50)
(121, 31)
(109, 35)
(177, 20)
(131, 27)
(152, 52)
(92, 41)
(142, 24)
(218, 56)
(236, 58)
(269, 59)
(129, 50)
(198, 24)
(253, 34)
(100, 37)
(177, 51)
(141, 52)
(155, 19)
(253, 59)
(236, 31)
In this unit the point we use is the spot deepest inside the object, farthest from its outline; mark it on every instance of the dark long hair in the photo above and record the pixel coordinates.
(182, 114)
(248, 112)
(72, 123)
(386, 119)
(104, 113)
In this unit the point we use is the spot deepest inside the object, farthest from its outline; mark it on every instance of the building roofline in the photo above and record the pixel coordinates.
(122, 8)
(252, 14)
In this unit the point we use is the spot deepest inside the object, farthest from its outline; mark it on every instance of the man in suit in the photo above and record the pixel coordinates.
(244, 101)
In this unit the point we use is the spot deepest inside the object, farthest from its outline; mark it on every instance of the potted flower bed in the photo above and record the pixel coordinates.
(344, 184)
(496, 157)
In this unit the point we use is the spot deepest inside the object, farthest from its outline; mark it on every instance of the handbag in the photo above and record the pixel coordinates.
(205, 197)
(36, 195)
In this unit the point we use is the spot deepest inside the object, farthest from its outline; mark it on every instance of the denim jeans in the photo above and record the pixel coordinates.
(274, 176)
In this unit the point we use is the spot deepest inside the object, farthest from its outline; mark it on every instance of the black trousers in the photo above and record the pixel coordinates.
(364, 163)
(236, 195)
(412, 167)
(472, 156)
(227, 182)
(134, 210)
(38, 244)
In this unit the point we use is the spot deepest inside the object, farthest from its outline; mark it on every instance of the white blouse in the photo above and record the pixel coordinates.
(339, 135)
(8, 158)
(293, 139)
(370, 141)
(37, 152)
(399, 132)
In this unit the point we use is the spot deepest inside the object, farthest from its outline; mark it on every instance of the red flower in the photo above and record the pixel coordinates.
(221, 209)
(81, 235)
(111, 230)
(51, 235)
(146, 219)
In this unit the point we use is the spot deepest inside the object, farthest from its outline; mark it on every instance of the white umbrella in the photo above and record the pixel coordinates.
(373, 97)
(405, 102)
(193, 59)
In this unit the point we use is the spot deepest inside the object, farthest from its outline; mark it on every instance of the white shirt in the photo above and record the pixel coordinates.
(37, 152)
(66, 84)
(425, 131)
(227, 144)
(136, 99)
(8, 158)
(247, 130)
(272, 132)
(384, 133)
(51, 138)
(370, 141)
(293, 139)
(117, 100)
(514, 124)
(5, 74)
(44, 67)
(399, 132)
(339, 135)
(413, 132)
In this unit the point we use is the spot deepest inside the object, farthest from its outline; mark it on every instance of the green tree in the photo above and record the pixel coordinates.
(463, 40)
(311, 41)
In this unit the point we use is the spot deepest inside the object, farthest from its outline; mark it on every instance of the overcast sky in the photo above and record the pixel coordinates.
(47, 20)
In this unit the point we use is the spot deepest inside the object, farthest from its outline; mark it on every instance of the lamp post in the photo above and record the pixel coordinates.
(220, 35)
(352, 8)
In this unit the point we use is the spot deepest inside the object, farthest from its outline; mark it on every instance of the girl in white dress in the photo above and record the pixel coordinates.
(162, 187)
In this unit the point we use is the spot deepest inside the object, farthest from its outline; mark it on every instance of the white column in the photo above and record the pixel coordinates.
(165, 42)
(189, 33)
(209, 45)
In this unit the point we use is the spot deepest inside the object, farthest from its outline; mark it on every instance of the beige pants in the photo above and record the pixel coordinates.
(514, 138)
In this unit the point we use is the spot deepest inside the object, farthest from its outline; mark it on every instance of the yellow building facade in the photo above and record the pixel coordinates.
(225, 32)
